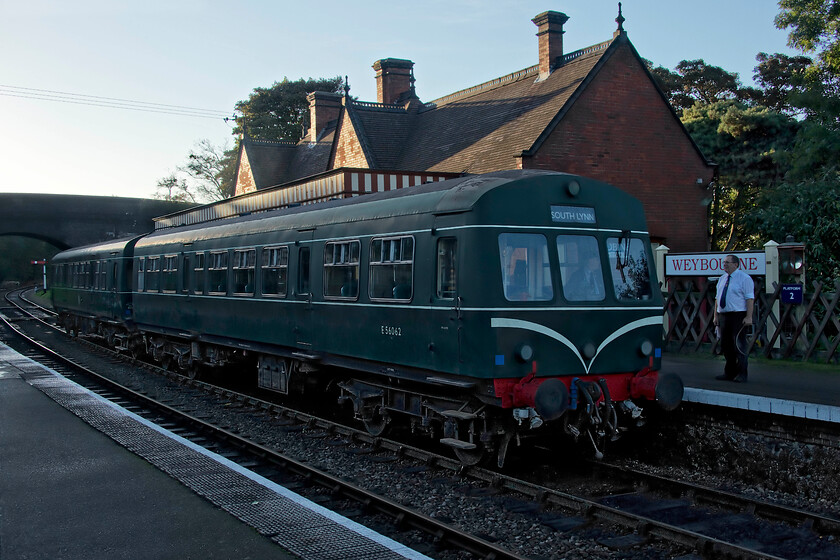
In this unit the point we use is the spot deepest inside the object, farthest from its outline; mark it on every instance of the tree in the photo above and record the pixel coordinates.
(173, 188)
(208, 175)
(782, 81)
(750, 146)
(810, 211)
(815, 27)
(694, 81)
(281, 112)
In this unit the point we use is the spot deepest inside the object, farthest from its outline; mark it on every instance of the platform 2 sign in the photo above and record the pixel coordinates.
(792, 293)
(711, 264)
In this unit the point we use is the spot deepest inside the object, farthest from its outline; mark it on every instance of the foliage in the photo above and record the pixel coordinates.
(815, 28)
(695, 82)
(810, 211)
(280, 112)
(780, 77)
(750, 146)
(207, 176)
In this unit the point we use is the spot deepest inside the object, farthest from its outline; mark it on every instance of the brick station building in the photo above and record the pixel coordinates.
(595, 112)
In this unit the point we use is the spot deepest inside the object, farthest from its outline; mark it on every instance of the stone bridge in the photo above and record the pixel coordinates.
(73, 220)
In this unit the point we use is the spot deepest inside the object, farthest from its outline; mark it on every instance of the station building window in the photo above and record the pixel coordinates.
(447, 273)
(526, 270)
(275, 271)
(169, 278)
(391, 268)
(217, 270)
(341, 269)
(244, 267)
(580, 268)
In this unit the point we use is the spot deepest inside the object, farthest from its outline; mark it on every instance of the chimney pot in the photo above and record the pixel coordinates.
(550, 40)
(323, 108)
(394, 80)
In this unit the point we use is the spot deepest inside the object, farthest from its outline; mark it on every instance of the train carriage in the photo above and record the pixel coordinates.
(477, 308)
(90, 289)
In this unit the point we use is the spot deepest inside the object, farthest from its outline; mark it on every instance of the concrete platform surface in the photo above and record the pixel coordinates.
(83, 478)
(805, 390)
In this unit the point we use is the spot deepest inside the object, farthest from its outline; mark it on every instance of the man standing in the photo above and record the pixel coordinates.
(733, 316)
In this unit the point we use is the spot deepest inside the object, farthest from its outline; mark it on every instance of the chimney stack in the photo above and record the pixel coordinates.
(394, 80)
(323, 108)
(550, 37)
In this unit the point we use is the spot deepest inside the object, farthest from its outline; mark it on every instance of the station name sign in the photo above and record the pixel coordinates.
(711, 264)
(572, 214)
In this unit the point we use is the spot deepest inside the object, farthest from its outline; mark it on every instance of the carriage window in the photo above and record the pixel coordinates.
(198, 274)
(97, 266)
(153, 274)
(275, 270)
(103, 275)
(447, 253)
(169, 280)
(187, 280)
(580, 268)
(526, 273)
(630, 269)
(141, 274)
(244, 263)
(341, 270)
(217, 272)
(391, 268)
(303, 271)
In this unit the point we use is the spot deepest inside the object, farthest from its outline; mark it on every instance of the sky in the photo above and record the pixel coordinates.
(205, 55)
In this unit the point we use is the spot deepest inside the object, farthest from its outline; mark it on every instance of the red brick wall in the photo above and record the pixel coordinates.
(621, 131)
(348, 151)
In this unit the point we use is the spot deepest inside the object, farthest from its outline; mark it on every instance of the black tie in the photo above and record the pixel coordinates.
(723, 295)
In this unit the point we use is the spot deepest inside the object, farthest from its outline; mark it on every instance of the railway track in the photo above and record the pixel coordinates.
(629, 511)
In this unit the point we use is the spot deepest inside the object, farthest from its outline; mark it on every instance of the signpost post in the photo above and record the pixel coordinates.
(44, 263)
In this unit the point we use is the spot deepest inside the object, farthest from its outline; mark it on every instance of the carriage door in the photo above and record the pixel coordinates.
(303, 310)
(448, 338)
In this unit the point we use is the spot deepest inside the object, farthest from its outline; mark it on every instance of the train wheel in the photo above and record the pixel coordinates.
(193, 371)
(470, 457)
(377, 424)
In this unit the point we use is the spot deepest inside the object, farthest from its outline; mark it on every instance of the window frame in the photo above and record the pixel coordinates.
(279, 263)
(377, 263)
(339, 258)
(217, 268)
(244, 260)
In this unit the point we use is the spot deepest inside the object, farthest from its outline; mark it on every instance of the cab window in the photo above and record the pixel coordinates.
(580, 268)
(526, 272)
(630, 268)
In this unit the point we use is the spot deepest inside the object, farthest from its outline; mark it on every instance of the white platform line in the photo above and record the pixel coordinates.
(782, 407)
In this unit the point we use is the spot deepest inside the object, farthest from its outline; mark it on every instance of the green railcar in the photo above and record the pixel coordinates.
(476, 308)
(91, 292)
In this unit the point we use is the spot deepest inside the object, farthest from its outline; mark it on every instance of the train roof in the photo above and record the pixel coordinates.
(443, 197)
(96, 251)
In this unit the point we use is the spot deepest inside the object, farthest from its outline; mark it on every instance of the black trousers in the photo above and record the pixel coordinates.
(732, 336)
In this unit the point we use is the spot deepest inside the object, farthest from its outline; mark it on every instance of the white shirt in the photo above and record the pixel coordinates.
(740, 290)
